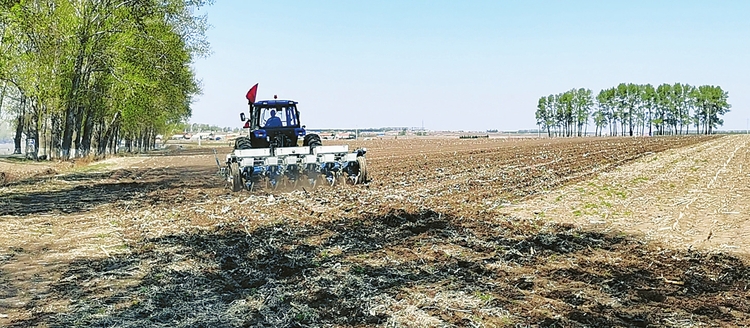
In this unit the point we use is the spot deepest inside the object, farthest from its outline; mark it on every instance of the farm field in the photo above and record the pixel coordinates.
(695, 197)
(584, 232)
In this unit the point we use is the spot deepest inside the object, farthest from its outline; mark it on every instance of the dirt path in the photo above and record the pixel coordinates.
(14, 168)
(693, 197)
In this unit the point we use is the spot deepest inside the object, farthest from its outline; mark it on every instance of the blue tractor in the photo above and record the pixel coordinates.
(274, 123)
(271, 152)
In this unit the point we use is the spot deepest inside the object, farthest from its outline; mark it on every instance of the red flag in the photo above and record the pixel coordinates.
(251, 94)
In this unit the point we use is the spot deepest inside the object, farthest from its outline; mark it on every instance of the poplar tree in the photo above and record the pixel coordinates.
(89, 73)
(629, 108)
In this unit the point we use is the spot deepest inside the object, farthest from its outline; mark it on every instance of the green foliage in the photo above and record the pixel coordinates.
(92, 72)
(565, 114)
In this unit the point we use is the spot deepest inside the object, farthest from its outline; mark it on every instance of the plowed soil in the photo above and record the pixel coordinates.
(694, 197)
(447, 233)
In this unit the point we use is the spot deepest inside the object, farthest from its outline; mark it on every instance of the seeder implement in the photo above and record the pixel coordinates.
(269, 154)
(272, 167)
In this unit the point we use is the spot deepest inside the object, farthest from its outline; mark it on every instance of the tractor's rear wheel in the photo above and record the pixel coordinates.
(234, 170)
(312, 140)
(242, 143)
(362, 162)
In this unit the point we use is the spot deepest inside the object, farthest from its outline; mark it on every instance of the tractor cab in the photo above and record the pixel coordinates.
(273, 123)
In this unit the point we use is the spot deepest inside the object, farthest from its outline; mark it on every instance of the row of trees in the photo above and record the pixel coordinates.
(634, 109)
(83, 75)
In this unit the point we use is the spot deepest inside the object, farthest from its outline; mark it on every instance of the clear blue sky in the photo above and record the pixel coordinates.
(462, 65)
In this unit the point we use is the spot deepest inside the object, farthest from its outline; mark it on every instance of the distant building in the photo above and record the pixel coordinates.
(346, 136)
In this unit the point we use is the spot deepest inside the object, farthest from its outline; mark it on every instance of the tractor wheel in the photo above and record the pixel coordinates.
(312, 140)
(234, 170)
(242, 143)
(362, 177)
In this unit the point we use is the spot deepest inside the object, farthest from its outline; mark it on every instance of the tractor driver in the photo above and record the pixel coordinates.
(273, 121)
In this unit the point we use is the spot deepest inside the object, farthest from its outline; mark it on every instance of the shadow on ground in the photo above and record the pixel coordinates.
(291, 276)
(83, 191)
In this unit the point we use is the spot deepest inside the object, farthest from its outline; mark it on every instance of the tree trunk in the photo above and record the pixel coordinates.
(137, 141)
(33, 130)
(44, 136)
(77, 130)
(2, 97)
(109, 136)
(34, 135)
(55, 135)
(114, 140)
(67, 137)
(100, 133)
(630, 121)
(128, 144)
(19, 126)
(19, 134)
(72, 105)
(88, 127)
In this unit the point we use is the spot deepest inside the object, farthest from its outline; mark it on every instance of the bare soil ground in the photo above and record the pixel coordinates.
(14, 168)
(448, 233)
(695, 197)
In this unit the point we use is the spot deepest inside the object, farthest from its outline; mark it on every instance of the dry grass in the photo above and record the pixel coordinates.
(690, 198)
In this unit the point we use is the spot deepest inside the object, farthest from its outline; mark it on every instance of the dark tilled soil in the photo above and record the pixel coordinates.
(272, 277)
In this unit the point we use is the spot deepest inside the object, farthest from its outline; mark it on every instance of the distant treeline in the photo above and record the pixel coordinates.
(634, 109)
